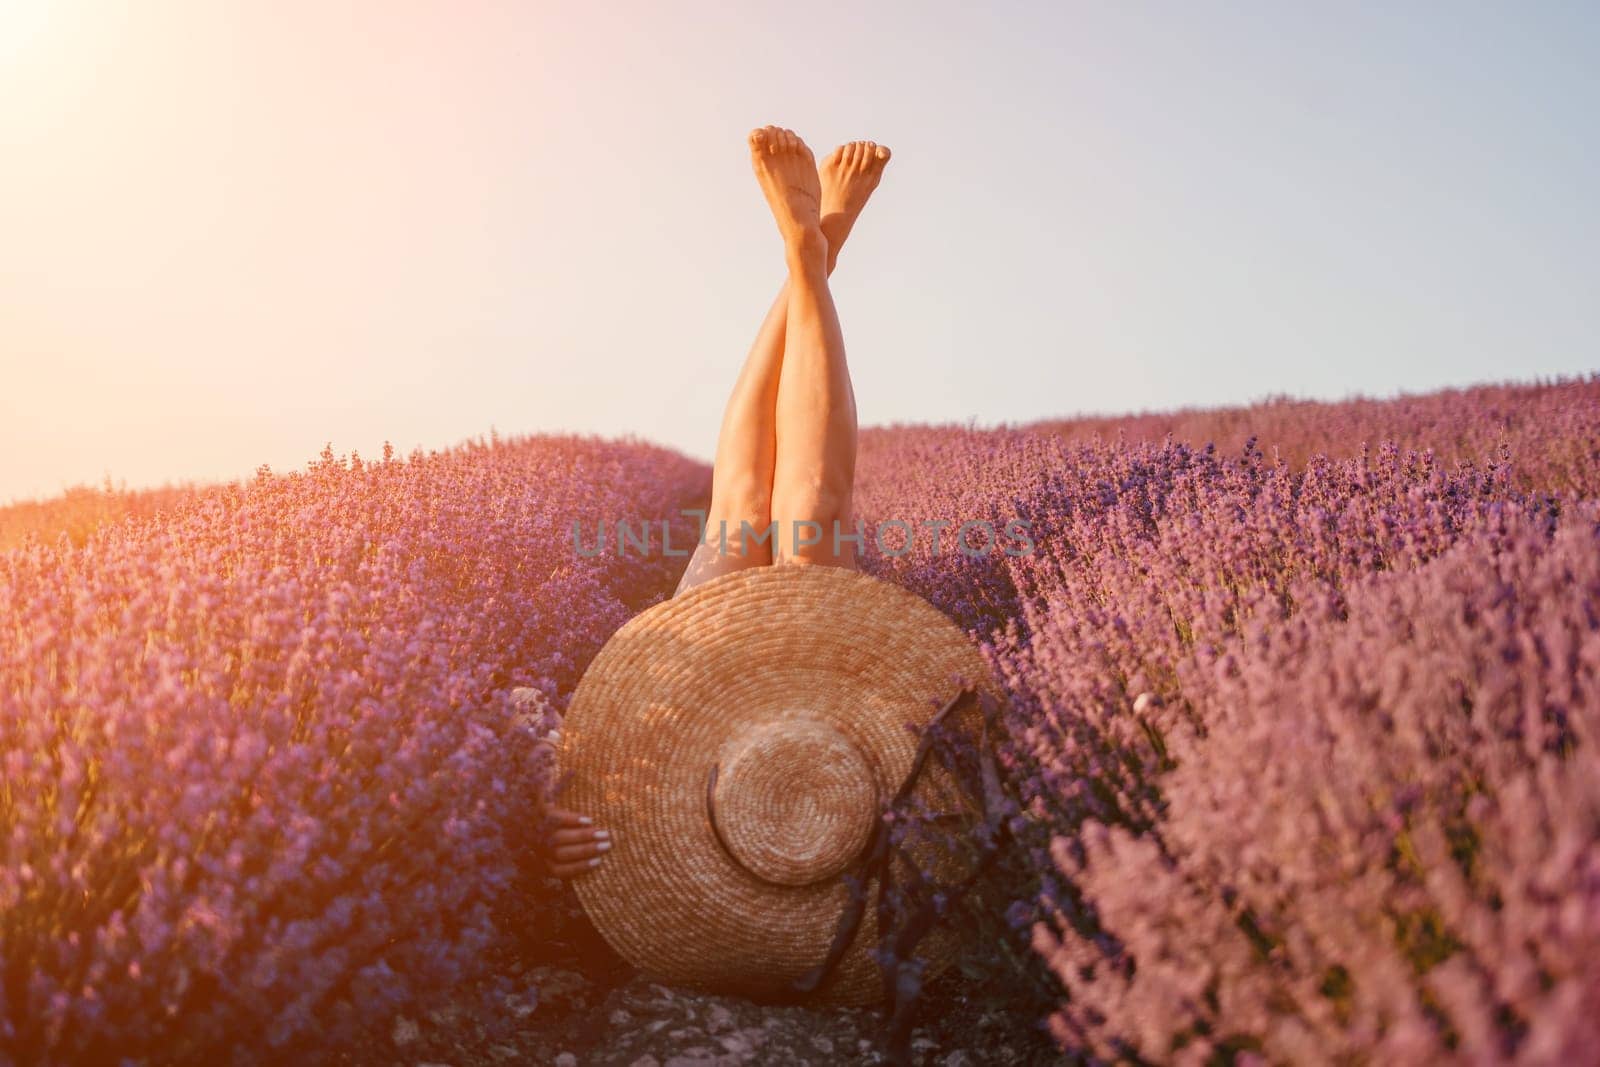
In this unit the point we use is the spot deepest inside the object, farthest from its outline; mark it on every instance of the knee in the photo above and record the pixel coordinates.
(739, 520)
(813, 527)
(737, 500)
(816, 499)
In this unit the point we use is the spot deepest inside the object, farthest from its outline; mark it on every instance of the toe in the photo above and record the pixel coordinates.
(882, 154)
(759, 139)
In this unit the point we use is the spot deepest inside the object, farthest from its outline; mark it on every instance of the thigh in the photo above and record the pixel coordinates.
(712, 559)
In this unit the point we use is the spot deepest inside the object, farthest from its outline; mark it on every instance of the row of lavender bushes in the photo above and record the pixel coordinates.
(1301, 750)
(263, 785)
(1535, 421)
(1304, 755)
(82, 509)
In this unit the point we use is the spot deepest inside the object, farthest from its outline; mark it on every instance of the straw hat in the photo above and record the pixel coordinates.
(738, 741)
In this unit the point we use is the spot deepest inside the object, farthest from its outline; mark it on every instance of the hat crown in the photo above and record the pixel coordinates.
(794, 800)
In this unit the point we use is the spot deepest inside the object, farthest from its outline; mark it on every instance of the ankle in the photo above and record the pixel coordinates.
(835, 227)
(807, 248)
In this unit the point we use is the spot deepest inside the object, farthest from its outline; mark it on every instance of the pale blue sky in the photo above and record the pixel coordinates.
(236, 230)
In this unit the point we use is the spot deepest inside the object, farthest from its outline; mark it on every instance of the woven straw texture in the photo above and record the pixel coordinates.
(797, 683)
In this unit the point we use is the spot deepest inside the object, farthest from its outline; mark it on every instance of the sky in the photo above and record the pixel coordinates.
(233, 231)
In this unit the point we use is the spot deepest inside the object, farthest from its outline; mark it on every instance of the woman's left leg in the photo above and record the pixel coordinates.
(741, 473)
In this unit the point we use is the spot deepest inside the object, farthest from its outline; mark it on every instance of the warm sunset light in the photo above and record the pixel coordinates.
(235, 231)
(23, 25)
(880, 535)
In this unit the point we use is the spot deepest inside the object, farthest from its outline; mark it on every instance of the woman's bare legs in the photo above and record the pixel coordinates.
(752, 446)
(740, 516)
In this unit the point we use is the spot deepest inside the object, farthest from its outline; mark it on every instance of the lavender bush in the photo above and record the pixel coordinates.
(1159, 569)
(261, 785)
(1383, 844)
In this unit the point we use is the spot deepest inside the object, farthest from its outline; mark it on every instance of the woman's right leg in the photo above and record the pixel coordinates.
(814, 470)
(740, 516)
(814, 467)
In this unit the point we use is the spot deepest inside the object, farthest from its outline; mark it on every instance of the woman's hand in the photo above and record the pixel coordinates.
(576, 846)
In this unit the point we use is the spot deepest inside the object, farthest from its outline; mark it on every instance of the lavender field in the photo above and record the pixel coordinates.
(1303, 735)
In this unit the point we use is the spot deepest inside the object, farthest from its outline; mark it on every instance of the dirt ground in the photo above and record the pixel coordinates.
(574, 1003)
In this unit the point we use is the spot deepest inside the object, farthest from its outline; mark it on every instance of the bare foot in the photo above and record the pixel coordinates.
(788, 175)
(848, 176)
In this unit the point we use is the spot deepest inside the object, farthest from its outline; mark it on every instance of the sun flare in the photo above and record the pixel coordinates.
(24, 26)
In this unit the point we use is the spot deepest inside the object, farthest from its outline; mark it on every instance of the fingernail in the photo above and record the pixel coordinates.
(601, 835)
(553, 735)
(595, 862)
(602, 846)
(585, 820)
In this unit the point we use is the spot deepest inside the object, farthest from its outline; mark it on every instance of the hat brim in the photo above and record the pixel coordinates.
(668, 691)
